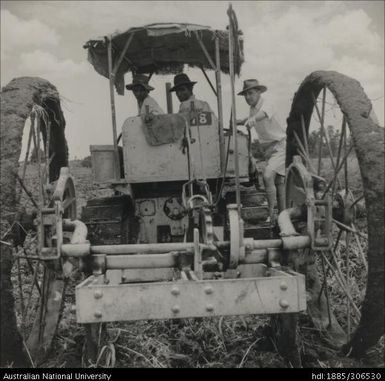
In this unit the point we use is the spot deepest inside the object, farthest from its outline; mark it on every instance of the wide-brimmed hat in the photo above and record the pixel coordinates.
(140, 80)
(180, 80)
(252, 84)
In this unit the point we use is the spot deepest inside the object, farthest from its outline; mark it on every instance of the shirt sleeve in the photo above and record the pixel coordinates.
(268, 109)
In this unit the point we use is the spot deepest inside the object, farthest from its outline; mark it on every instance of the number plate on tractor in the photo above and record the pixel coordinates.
(203, 119)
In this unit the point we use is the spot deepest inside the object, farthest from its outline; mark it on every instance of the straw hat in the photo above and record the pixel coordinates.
(140, 80)
(252, 84)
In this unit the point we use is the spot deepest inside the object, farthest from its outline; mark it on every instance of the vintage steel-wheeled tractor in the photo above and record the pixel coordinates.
(185, 233)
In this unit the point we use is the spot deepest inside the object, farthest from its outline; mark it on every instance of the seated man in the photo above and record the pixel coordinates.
(141, 90)
(184, 91)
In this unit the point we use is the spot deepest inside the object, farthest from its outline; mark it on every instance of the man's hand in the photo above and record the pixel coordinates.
(240, 122)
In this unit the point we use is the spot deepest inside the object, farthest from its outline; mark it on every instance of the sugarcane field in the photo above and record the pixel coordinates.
(192, 184)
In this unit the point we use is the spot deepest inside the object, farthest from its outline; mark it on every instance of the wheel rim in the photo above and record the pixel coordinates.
(345, 273)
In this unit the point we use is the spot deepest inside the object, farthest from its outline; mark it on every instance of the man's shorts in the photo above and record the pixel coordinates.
(275, 155)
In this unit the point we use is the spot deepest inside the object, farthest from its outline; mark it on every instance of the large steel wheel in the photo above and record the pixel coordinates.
(39, 285)
(331, 127)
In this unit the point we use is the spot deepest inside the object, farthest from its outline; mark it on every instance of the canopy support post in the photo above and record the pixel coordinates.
(208, 80)
(233, 113)
(111, 76)
(169, 98)
(126, 46)
(220, 106)
(206, 53)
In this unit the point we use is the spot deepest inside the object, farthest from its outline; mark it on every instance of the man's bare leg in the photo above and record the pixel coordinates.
(271, 191)
(280, 185)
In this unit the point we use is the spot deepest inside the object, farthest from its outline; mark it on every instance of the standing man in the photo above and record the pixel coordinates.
(141, 90)
(272, 137)
(184, 91)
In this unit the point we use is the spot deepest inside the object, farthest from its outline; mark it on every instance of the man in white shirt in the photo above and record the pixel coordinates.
(184, 91)
(141, 90)
(272, 137)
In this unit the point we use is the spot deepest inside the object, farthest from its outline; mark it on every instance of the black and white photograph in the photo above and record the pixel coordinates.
(192, 184)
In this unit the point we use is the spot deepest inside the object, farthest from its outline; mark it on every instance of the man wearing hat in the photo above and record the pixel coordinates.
(184, 91)
(141, 90)
(271, 136)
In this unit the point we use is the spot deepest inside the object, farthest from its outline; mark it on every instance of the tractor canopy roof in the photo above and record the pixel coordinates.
(163, 48)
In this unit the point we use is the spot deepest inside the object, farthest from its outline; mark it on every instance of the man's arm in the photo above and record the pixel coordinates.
(241, 122)
(260, 115)
(252, 120)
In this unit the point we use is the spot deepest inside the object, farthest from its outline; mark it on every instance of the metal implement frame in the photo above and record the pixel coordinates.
(282, 292)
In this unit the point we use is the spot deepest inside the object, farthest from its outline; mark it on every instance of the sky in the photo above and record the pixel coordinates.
(284, 41)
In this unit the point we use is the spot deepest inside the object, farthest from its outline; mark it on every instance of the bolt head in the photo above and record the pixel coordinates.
(209, 290)
(98, 294)
(175, 291)
(175, 309)
(98, 314)
(283, 286)
(284, 303)
(209, 308)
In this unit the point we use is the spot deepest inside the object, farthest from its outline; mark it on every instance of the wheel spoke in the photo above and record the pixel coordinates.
(325, 285)
(337, 240)
(304, 136)
(302, 152)
(360, 249)
(320, 136)
(345, 227)
(68, 201)
(51, 158)
(19, 278)
(347, 239)
(31, 132)
(337, 171)
(346, 166)
(34, 282)
(28, 193)
(357, 200)
(328, 269)
(43, 298)
(32, 270)
(322, 120)
(339, 277)
(343, 127)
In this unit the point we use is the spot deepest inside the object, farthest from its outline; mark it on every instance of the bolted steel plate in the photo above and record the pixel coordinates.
(279, 293)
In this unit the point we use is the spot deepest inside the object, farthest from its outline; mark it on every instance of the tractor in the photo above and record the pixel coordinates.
(184, 233)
